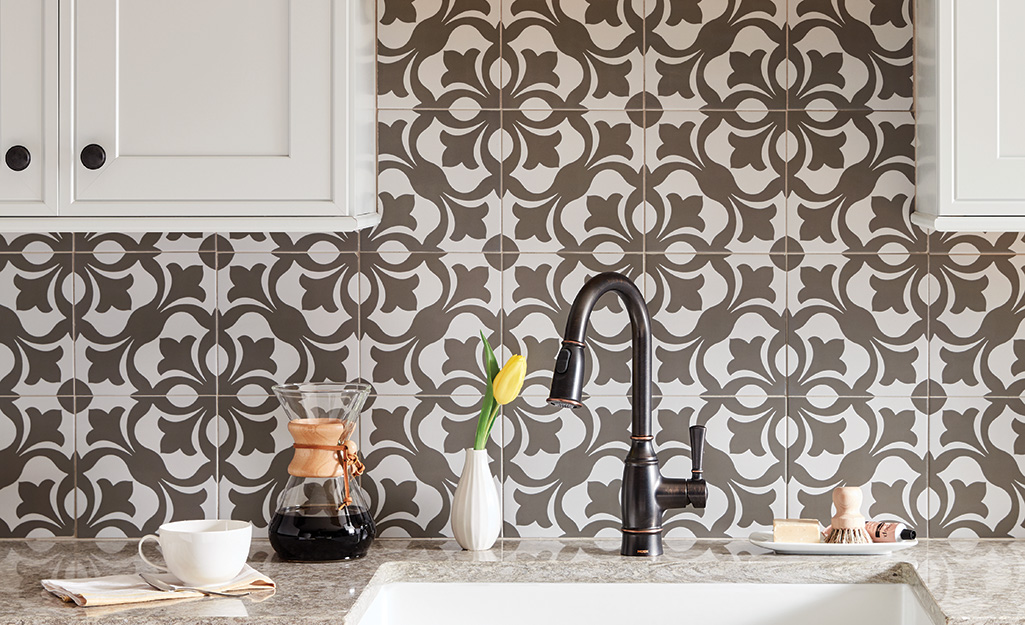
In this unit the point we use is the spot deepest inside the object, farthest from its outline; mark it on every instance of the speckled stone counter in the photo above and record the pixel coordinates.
(971, 581)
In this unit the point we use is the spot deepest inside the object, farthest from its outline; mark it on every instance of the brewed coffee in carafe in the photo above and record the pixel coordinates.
(322, 514)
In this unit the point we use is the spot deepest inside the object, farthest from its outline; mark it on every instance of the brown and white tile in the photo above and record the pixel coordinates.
(413, 448)
(538, 291)
(716, 55)
(717, 324)
(744, 462)
(563, 468)
(438, 175)
(37, 484)
(36, 242)
(975, 243)
(36, 299)
(852, 182)
(284, 242)
(857, 325)
(572, 181)
(287, 318)
(563, 54)
(715, 182)
(422, 317)
(142, 462)
(879, 444)
(851, 55)
(977, 468)
(152, 242)
(144, 323)
(977, 321)
(441, 55)
(254, 449)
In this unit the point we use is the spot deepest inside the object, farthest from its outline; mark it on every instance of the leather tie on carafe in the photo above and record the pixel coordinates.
(346, 454)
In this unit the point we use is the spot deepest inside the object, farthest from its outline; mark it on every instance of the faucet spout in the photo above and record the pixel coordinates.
(646, 494)
(568, 379)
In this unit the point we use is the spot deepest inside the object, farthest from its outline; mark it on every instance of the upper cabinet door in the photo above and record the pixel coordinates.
(971, 85)
(28, 108)
(203, 108)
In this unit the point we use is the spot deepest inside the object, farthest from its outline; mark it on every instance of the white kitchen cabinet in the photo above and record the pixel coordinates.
(971, 86)
(212, 115)
(28, 108)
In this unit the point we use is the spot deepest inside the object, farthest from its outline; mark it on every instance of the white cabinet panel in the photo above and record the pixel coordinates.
(197, 115)
(28, 106)
(200, 101)
(971, 85)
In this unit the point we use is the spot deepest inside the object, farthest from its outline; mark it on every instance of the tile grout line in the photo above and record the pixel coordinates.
(217, 377)
(786, 262)
(501, 249)
(74, 385)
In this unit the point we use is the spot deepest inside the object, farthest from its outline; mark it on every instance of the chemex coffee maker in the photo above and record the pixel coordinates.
(322, 513)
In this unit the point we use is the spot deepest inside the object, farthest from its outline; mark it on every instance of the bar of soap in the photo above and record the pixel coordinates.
(795, 531)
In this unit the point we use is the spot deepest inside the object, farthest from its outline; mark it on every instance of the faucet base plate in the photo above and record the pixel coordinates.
(642, 544)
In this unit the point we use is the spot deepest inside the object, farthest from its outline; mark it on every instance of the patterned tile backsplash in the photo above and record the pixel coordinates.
(750, 164)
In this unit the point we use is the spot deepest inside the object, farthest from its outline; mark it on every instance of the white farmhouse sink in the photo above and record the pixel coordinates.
(513, 603)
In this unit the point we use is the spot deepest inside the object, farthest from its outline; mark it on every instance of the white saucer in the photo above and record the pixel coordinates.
(764, 540)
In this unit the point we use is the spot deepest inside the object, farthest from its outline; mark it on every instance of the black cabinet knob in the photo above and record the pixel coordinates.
(93, 156)
(18, 157)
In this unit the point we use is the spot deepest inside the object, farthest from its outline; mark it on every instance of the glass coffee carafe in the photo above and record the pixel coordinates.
(322, 513)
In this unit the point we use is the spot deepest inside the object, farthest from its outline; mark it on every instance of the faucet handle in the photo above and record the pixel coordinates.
(697, 450)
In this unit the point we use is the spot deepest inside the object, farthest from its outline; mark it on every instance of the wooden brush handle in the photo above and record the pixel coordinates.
(847, 500)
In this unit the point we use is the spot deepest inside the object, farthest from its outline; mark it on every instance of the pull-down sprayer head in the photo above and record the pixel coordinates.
(568, 377)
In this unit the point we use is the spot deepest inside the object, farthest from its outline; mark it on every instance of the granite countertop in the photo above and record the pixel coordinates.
(979, 582)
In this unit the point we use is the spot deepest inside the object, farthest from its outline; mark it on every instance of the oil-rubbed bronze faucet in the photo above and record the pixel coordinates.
(646, 494)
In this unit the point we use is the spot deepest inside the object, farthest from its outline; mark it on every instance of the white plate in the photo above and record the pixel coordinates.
(764, 540)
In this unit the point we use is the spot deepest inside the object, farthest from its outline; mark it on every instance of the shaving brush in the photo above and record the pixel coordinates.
(848, 522)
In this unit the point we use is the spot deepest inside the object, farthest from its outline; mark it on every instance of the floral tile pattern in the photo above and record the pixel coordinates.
(572, 181)
(715, 182)
(879, 444)
(977, 458)
(538, 291)
(439, 180)
(37, 485)
(852, 182)
(428, 310)
(749, 164)
(716, 55)
(846, 54)
(254, 449)
(143, 462)
(36, 243)
(978, 325)
(144, 323)
(440, 55)
(564, 468)
(857, 325)
(36, 296)
(562, 54)
(269, 242)
(286, 318)
(744, 462)
(413, 448)
(974, 243)
(717, 324)
(122, 242)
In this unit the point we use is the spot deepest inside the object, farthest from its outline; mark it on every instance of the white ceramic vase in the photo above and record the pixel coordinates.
(476, 515)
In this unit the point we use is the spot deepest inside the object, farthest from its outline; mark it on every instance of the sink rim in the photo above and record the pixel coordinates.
(654, 571)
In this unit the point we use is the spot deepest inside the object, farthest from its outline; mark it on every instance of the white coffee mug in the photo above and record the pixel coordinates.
(202, 553)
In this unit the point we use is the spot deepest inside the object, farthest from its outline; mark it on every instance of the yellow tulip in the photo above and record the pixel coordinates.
(509, 381)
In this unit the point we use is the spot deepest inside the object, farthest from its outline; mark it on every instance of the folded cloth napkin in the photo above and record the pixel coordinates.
(117, 589)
